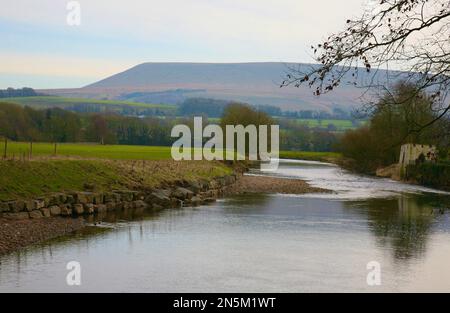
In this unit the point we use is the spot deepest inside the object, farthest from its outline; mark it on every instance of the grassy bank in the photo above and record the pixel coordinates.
(20, 179)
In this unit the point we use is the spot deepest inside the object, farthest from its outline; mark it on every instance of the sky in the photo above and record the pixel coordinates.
(42, 45)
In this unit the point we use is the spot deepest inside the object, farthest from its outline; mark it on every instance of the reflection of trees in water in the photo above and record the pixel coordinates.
(403, 223)
(248, 202)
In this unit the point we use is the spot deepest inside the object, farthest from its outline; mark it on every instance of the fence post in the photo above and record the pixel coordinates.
(54, 152)
(6, 148)
(31, 149)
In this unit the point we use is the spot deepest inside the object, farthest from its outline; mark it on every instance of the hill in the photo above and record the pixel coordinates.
(255, 83)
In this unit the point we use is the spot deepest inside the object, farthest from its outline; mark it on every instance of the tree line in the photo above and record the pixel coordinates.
(58, 125)
(23, 92)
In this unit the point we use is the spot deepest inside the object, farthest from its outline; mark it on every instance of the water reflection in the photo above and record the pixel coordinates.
(403, 223)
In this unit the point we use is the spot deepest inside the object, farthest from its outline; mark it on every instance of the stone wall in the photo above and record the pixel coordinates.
(78, 203)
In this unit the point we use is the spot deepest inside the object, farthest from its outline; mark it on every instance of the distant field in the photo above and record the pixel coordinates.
(341, 125)
(310, 156)
(65, 103)
(115, 152)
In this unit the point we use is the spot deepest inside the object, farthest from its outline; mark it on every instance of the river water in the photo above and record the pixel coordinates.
(259, 243)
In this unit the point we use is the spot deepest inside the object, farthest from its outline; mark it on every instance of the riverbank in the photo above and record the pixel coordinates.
(45, 199)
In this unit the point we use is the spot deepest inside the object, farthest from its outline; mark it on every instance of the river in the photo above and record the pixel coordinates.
(259, 243)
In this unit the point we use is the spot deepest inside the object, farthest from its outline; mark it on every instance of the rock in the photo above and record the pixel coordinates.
(62, 198)
(100, 208)
(40, 204)
(55, 210)
(30, 205)
(16, 216)
(195, 186)
(111, 197)
(139, 204)
(195, 201)
(45, 212)
(209, 200)
(78, 209)
(66, 210)
(36, 214)
(55, 200)
(177, 203)
(17, 206)
(182, 193)
(4, 207)
(70, 199)
(83, 197)
(88, 208)
(160, 197)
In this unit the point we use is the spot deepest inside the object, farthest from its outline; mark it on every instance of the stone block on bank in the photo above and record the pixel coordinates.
(182, 193)
(36, 214)
(78, 209)
(88, 208)
(39, 204)
(30, 205)
(55, 210)
(160, 197)
(17, 206)
(111, 197)
(4, 207)
(66, 210)
(139, 204)
(45, 212)
(195, 201)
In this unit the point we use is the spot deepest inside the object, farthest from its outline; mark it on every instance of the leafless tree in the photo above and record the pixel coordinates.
(409, 36)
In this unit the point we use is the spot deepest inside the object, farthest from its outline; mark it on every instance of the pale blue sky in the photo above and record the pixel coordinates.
(38, 48)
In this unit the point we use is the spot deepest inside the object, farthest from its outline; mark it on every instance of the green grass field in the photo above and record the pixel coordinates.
(340, 125)
(54, 101)
(122, 152)
(113, 152)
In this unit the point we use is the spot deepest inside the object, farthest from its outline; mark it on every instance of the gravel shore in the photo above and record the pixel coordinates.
(17, 234)
(265, 184)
